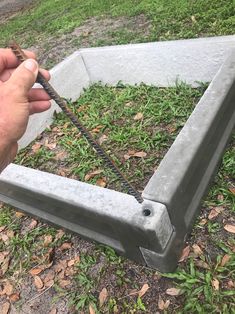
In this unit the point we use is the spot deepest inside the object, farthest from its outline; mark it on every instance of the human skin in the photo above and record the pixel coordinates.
(18, 100)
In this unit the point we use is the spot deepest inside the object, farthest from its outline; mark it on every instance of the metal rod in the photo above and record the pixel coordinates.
(63, 105)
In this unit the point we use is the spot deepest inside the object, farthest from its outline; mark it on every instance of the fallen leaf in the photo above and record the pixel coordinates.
(14, 297)
(132, 153)
(215, 284)
(193, 19)
(197, 250)
(53, 311)
(49, 283)
(161, 304)
(215, 212)
(230, 284)
(64, 283)
(185, 253)
(140, 154)
(101, 182)
(102, 139)
(232, 190)
(73, 261)
(202, 264)
(92, 174)
(7, 289)
(97, 129)
(220, 197)
(19, 214)
(5, 307)
(230, 228)
(47, 240)
(2, 228)
(36, 147)
(35, 271)
(225, 259)
(143, 290)
(5, 265)
(65, 246)
(203, 222)
(33, 224)
(60, 233)
(61, 155)
(38, 282)
(128, 104)
(49, 276)
(4, 238)
(173, 291)
(50, 145)
(103, 296)
(60, 266)
(91, 309)
(138, 116)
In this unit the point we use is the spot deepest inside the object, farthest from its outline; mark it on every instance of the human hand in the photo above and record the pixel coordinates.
(17, 100)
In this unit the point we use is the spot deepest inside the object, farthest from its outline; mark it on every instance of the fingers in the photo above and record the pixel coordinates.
(39, 106)
(36, 94)
(8, 59)
(23, 78)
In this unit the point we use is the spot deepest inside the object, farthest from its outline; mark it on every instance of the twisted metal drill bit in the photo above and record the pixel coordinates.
(63, 105)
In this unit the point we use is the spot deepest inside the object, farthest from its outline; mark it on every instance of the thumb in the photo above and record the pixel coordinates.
(24, 77)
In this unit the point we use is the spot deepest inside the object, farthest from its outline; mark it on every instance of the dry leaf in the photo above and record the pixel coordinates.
(103, 296)
(61, 155)
(173, 291)
(220, 197)
(193, 19)
(49, 145)
(35, 271)
(225, 259)
(230, 228)
(232, 190)
(36, 147)
(185, 253)
(53, 311)
(132, 153)
(202, 264)
(143, 290)
(59, 234)
(140, 154)
(102, 139)
(5, 238)
(101, 182)
(65, 246)
(138, 116)
(49, 283)
(5, 307)
(7, 288)
(64, 283)
(92, 174)
(197, 250)
(203, 222)
(91, 309)
(33, 224)
(5, 265)
(2, 228)
(97, 129)
(38, 282)
(161, 304)
(47, 240)
(230, 284)
(215, 284)
(14, 297)
(19, 214)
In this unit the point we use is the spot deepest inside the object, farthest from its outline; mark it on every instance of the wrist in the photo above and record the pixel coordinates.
(8, 152)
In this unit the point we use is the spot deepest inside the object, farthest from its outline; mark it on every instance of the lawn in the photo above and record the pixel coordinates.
(44, 269)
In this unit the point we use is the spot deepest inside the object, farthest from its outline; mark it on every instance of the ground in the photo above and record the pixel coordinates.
(44, 269)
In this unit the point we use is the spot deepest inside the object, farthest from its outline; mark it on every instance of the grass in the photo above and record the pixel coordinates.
(162, 118)
(169, 20)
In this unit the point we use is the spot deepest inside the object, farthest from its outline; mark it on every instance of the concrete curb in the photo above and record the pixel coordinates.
(173, 195)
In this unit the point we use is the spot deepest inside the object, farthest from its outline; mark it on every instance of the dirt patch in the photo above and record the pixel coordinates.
(8, 8)
(94, 32)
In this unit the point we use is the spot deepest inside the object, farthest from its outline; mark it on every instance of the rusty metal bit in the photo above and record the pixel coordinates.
(63, 105)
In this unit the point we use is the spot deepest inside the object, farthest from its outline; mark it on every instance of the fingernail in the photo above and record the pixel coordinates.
(31, 65)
